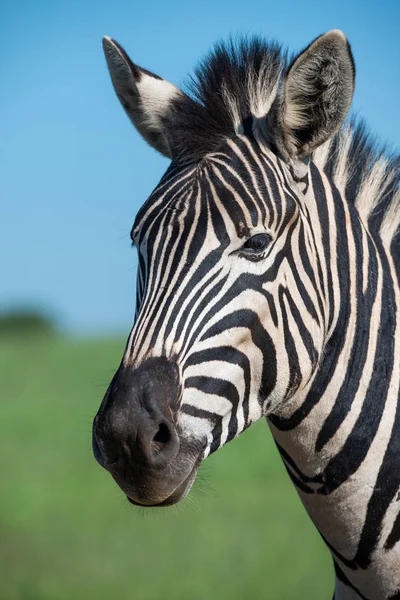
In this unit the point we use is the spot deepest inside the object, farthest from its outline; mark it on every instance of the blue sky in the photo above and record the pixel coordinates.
(74, 171)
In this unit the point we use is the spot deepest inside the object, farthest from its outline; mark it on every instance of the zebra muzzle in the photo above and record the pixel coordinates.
(136, 436)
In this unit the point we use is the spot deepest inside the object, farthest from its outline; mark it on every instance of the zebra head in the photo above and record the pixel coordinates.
(232, 289)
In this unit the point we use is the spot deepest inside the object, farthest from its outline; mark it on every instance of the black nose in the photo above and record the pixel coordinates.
(135, 428)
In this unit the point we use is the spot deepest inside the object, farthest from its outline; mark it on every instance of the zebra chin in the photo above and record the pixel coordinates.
(137, 437)
(179, 494)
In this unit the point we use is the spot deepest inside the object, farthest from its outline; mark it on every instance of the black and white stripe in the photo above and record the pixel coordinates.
(304, 330)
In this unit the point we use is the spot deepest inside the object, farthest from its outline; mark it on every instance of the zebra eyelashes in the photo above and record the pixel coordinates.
(257, 243)
(254, 248)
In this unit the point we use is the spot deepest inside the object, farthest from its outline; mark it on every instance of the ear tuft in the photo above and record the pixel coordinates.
(318, 91)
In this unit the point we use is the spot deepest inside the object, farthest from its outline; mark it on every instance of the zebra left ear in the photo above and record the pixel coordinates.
(318, 90)
(146, 98)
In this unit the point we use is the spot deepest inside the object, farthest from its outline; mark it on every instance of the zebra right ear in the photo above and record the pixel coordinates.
(318, 90)
(146, 98)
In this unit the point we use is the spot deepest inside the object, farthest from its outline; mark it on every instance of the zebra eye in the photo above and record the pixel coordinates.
(257, 244)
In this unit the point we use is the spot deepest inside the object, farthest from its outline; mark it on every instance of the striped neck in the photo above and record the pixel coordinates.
(337, 437)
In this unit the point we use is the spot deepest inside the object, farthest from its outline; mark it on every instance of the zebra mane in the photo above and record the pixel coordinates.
(367, 173)
(240, 79)
(237, 80)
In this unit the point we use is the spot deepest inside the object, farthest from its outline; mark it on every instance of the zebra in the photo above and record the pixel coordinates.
(267, 286)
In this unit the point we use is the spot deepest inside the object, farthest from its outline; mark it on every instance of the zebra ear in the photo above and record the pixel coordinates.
(318, 90)
(146, 98)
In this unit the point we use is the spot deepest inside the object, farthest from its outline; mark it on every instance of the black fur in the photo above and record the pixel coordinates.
(202, 120)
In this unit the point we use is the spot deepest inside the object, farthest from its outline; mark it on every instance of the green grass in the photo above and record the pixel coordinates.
(66, 532)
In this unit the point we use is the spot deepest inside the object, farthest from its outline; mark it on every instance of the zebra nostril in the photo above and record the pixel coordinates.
(162, 437)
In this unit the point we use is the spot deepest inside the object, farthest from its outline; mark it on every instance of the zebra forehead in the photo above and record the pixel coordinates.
(229, 182)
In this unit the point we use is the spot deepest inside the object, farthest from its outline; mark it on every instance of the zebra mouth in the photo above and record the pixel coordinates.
(179, 494)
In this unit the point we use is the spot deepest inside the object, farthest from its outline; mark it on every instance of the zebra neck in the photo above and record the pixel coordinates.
(340, 439)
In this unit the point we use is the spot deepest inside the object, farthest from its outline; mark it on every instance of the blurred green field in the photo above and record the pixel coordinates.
(66, 532)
